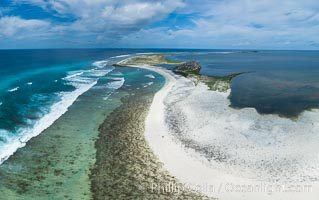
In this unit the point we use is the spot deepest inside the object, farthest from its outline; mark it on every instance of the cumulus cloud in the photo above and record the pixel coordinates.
(11, 26)
(109, 16)
(246, 24)
(209, 24)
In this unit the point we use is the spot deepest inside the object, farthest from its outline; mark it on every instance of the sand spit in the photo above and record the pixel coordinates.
(195, 170)
(126, 167)
(201, 166)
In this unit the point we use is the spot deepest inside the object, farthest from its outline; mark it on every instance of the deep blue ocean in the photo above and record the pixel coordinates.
(37, 86)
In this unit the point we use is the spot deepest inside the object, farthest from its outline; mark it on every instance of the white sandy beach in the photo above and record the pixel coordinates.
(194, 171)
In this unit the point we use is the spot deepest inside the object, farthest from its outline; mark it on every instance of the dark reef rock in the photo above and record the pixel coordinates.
(191, 66)
(118, 65)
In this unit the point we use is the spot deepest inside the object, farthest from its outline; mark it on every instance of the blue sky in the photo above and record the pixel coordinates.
(212, 24)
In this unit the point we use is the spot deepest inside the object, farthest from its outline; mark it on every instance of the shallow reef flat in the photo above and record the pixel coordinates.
(56, 164)
(126, 167)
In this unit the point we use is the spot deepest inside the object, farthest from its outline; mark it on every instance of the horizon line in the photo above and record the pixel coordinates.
(155, 48)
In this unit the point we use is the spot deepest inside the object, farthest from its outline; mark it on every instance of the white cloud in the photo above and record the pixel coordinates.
(108, 16)
(93, 22)
(246, 24)
(215, 23)
(11, 26)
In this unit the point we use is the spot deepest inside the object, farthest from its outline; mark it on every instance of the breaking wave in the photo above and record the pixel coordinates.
(13, 89)
(81, 80)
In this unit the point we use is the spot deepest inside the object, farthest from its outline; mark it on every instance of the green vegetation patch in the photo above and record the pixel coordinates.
(156, 59)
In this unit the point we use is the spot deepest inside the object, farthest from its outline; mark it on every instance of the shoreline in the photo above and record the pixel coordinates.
(126, 166)
(190, 167)
(136, 151)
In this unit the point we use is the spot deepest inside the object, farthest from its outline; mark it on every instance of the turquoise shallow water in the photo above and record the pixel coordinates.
(59, 160)
(38, 86)
(65, 95)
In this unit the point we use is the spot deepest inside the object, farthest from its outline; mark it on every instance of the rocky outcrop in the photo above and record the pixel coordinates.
(188, 67)
(118, 65)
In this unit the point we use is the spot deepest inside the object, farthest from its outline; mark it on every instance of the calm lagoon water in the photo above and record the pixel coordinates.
(277, 82)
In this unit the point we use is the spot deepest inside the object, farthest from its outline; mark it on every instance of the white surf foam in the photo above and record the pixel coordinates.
(106, 97)
(56, 111)
(148, 84)
(82, 81)
(116, 84)
(117, 74)
(13, 89)
(100, 72)
(120, 56)
(150, 75)
(100, 64)
(74, 74)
